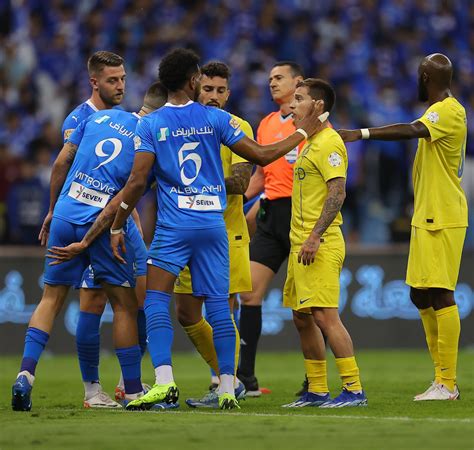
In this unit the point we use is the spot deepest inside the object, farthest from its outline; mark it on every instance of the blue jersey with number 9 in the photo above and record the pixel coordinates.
(186, 142)
(101, 166)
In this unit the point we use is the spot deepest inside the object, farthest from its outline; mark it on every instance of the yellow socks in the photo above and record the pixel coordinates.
(201, 336)
(430, 325)
(349, 373)
(317, 377)
(237, 345)
(449, 329)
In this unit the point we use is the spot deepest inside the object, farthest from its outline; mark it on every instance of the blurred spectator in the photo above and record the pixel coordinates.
(369, 50)
(27, 204)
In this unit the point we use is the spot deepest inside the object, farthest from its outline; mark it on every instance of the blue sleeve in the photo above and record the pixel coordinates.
(229, 128)
(76, 136)
(143, 137)
(69, 125)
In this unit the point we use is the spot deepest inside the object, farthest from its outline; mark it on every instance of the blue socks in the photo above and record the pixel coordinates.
(130, 361)
(218, 316)
(88, 345)
(158, 327)
(35, 341)
(141, 322)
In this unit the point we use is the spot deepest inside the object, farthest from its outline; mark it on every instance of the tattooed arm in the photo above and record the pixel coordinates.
(58, 175)
(332, 205)
(238, 182)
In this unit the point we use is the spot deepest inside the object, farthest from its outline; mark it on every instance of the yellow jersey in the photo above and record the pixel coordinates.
(440, 201)
(323, 158)
(234, 217)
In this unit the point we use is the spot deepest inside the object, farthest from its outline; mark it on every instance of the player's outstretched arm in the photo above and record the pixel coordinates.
(332, 205)
(265, 154)
(131, 193)
(239, 180)
(58, 175)
(102, 222)
(395, 132)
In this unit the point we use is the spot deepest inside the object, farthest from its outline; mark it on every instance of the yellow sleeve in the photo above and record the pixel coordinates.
(437, 120)
(331, 160)
(247, 129)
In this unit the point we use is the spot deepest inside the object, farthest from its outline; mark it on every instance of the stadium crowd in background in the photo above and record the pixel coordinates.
(365, 49)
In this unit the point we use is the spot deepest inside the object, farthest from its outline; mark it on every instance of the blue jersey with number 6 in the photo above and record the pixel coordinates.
(101, 166)
(186, 142)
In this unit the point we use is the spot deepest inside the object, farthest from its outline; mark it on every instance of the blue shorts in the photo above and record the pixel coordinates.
(99, 255)
(204, 251)
(88, 280)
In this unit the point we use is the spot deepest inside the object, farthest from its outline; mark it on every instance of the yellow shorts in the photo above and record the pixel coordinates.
(240, 278)
(316, 285)
(435, 258)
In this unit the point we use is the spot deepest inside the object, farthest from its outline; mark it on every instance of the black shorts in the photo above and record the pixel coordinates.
(270, 245)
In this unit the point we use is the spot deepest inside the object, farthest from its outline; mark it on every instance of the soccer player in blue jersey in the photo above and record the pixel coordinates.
(181, 143)
(90, 170)
(107, 79)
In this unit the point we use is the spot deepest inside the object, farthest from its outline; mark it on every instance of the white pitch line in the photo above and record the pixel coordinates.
(244, 414)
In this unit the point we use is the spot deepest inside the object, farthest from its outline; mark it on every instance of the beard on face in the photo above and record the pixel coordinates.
(422, 90)
(112, 100)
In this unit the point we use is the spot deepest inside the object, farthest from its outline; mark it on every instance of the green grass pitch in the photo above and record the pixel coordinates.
(391, 421)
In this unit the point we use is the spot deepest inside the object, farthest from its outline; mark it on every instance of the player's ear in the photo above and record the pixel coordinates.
(94, 83)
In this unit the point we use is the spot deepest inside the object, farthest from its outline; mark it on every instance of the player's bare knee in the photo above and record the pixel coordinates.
(441, 298)
(302, 321)
(185, 317)
(92, 301)
(251, 299)
(420, 298)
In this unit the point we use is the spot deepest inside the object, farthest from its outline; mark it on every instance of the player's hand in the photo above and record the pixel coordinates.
(44, 232)
(117, 241)
(350, 135)
(61, 254)
(308, 250)
(310, 122)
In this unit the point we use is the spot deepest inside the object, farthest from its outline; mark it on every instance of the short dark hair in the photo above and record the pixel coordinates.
(177, 67)
(216, 69)
(320, 90)
(102, 59)
(155, 96)
(296, 69)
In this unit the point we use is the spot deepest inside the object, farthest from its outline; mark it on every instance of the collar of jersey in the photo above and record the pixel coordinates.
(178, 106)
(92, 105)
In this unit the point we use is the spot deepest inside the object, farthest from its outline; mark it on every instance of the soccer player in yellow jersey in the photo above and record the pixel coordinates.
(317, 255)
(440, 216)
(215, 92)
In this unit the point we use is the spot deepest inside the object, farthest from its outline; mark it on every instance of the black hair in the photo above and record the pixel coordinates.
(295, 68)
(155, 96)
(320, 90)
(102, 59)
(177, 67)
(216, 69)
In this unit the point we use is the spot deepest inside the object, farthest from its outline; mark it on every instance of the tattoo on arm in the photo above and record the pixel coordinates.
(71, 152)
(332, 205)
(102, 223)
(238, 182)
(60, 170)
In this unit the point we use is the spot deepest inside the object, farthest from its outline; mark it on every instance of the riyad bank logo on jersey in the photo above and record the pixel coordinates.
(199, 202)
(335, 159)
(101, 119)
(163, 134)
(433, 117)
